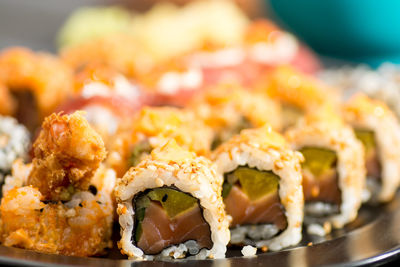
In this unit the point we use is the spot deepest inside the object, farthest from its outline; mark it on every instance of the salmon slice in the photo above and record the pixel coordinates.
(159, 231)
(266, 210)
(324, 188)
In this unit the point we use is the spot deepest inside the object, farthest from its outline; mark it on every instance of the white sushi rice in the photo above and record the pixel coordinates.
(319, 209)
(249, 234)
(316, 229)
(14, 143)
(249, 251)
(188, 250)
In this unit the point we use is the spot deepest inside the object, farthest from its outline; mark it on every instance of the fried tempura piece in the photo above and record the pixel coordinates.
(80, 227)
(66, 155)
(8, 104)
(37, 82)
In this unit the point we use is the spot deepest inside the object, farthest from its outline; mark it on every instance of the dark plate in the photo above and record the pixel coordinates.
(374, 238)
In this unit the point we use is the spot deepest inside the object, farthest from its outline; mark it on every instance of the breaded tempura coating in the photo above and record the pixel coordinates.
(66, 155)
(8, 104)
(80, 227)
(45, 76)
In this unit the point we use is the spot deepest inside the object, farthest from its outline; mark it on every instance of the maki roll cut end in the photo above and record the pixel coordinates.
(333, 169)
(262, 188)
(377, 127)
(170, 206)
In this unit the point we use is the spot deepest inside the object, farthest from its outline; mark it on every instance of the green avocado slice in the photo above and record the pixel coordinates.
(318, 160)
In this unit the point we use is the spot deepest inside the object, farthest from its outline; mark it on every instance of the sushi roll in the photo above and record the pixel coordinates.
(262, 188)
(333, 169)
(150, 127)
(228, 108)
(14, 143)
(299, 93)
(377, 127)
(170, 205)
(62, 202)
(81, 226)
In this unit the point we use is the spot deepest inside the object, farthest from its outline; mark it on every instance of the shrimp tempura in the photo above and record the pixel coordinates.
(66, 155)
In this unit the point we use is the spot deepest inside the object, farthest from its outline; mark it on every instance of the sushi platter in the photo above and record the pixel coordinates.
(192, 135)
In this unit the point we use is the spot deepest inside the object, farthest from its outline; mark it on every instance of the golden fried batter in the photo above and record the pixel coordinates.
(81, 227)
(8, 105)
(66, 155)
(38, 81)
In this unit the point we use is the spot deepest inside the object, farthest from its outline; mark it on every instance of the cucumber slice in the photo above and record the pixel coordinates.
(139, 152)
(255, 184)
(173, 201)
(318, 160)
(367, 137)
(226, 189)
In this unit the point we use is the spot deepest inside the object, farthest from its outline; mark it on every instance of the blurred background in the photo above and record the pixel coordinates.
(35, 23)
(365, 31)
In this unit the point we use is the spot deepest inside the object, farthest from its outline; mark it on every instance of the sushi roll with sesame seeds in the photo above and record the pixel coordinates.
(150, 128)
(298, 93)
(262, 189)
(46, 205)
(376, 126)
(228, 108)
(14, 143)
(333, 168)
(170, 205)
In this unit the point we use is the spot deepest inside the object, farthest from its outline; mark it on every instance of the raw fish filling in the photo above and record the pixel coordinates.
(372, 163)
(166, 217)
(320, 178)
(251, 197)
